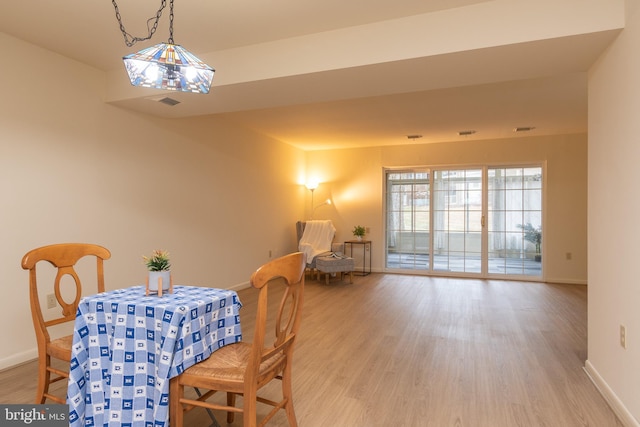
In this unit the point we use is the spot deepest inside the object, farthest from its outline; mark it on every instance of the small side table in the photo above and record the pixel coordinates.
(366, 249)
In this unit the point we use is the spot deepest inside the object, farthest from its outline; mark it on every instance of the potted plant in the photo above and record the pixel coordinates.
(358, 232)
(533, 235)
(159, 267)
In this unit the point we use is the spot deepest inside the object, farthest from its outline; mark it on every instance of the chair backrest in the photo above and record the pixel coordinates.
(316, 239)
(300, 229)
(285, 271)
(301, 225)
(64, 257)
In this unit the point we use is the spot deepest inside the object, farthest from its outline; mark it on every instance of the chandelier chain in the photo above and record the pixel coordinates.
(130, 39)
(171, 22)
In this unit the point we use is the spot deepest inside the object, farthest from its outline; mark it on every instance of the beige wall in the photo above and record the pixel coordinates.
(73, 168)
(354, 180)
(614, 212)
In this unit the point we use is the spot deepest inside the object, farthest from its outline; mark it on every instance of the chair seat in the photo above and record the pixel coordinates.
(229, 363)
(61, 348)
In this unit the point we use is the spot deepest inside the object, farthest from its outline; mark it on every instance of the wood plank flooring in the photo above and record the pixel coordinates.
(396, 350)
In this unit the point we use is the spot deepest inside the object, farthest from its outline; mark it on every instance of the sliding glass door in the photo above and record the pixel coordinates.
(483, 221)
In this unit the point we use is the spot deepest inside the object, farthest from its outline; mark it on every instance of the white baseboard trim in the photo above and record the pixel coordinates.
(565, 281)
(18, 359)
(616, 404)
(240, 286)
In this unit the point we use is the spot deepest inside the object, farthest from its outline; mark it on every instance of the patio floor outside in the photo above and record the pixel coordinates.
(452, 263)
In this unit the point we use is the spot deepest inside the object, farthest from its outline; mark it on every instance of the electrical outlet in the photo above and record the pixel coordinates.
(569, 255)
(51, 301)
(623, 337)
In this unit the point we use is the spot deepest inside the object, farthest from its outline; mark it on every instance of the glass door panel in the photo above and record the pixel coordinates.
(457, 227)
(408, 220)
(514, 226)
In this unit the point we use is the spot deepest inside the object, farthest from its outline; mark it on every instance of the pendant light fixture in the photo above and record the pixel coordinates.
(166, 65)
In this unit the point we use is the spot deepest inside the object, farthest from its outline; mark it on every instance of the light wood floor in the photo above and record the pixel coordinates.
(394, 350)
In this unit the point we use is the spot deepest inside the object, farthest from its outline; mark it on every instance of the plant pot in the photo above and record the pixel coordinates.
(358, 238)
(159, 277)
(538, 258)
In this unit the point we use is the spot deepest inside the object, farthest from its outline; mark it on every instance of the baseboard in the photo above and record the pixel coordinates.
(525, 279)
(240, 286)
(616, 404)
(18, 359)
(565, 281)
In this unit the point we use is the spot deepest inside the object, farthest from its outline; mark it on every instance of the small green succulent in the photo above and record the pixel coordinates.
(158, 261)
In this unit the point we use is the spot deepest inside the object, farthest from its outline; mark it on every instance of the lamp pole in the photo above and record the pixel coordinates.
(312, 189)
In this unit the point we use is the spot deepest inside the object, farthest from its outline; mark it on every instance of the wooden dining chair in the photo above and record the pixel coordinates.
(244, 368)
(63, 257)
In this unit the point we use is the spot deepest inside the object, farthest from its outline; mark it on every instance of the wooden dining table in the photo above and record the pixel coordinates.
(127, 345)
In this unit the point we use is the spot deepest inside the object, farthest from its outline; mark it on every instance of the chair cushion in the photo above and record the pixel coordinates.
(229, 364)
(60, 348)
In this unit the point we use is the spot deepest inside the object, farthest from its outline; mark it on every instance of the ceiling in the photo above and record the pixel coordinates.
(339, 74)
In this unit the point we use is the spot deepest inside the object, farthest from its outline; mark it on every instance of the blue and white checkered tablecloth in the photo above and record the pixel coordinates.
(126, 347)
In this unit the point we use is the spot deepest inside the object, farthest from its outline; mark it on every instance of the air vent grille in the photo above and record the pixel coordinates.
(169, 101)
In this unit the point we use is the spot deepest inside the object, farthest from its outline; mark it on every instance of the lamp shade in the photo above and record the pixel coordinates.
(170, 67)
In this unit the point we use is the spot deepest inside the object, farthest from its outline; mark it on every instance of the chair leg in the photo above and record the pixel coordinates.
(176, 412)
(288, 394)
(44, 376)
(231, 401)
(249, 403)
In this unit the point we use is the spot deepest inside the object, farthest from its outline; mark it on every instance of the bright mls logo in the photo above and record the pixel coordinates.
(34, 415)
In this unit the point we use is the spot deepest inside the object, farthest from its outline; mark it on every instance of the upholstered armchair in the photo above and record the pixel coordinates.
(313, 252)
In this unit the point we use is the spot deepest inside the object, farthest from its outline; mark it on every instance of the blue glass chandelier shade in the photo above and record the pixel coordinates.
(170, 67)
